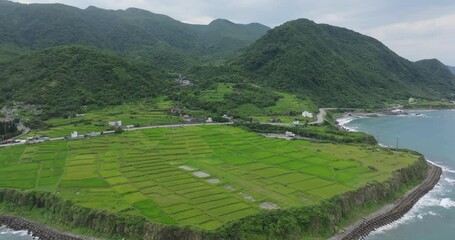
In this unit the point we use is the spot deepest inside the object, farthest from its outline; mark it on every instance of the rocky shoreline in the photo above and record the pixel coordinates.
(38, 230)
(393, 212)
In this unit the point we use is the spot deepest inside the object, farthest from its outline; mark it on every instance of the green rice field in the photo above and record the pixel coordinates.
(143, 114)
(202, 176)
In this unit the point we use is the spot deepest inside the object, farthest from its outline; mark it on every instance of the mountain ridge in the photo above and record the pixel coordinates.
(337, 66)
(39, 26)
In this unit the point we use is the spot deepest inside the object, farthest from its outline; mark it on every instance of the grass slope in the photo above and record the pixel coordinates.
(161, 173)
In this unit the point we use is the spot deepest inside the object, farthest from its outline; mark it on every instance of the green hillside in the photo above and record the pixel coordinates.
(339, 67)
(134, 32)
(65, 78)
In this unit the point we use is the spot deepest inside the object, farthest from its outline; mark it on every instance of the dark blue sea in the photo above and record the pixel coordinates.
(433, 134)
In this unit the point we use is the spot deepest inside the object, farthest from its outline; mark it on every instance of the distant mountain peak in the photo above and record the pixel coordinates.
(221, 21)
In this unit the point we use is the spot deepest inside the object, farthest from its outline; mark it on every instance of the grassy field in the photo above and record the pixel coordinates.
(97, 120)
(288, 108)
(199, 176)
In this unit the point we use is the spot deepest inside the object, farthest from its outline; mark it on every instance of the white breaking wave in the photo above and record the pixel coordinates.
(447, 203)
(449, 180)
(345, 120)
(420, 209)
(22, 233)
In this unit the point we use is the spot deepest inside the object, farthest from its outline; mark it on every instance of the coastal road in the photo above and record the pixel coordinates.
(177, 125)
(320, 117)
(132, 129)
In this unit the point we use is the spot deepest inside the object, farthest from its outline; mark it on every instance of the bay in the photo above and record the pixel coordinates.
(433, 134)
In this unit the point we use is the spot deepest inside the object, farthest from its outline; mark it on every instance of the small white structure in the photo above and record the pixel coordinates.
(296, 123)
(290, 134)
(412, 100)
(80, 114)
(185, 82)
(74, 134)
(307, 114)
(186, 118)
(115, 124)
(129, 126)
(209, 120)
(225, 116)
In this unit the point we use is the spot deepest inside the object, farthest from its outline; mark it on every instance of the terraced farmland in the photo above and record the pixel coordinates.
(152, 113)
(199, 176)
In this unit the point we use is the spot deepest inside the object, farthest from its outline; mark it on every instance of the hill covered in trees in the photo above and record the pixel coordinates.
(133, 32)
(63, 79)
(62, 58)
(339, 67)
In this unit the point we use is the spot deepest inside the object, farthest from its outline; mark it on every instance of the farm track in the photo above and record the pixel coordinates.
(363, 228)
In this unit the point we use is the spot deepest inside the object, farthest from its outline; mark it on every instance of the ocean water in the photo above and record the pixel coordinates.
(433, 134)
(8, 234)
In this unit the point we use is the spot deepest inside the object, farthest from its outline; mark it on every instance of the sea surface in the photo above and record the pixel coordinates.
(8, 234)
(433, 134)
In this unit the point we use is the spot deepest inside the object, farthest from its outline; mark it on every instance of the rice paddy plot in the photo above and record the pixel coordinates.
(201, 176)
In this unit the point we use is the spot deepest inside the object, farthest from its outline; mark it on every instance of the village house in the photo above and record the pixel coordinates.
(186, 118)
(115, 124)
(290, 134)
(74, 134)
(307, 114)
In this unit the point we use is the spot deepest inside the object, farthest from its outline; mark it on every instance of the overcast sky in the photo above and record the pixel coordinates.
(415, 29)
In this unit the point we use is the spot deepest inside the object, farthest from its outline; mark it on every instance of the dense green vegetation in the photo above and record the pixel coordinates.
(8, 129)
(161, 173)
(339, 67)
(133, 32)
(66, 78)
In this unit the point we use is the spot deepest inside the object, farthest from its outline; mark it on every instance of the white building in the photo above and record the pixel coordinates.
(290, 134)
(307, 114)
(74, 134)
(296, 123)
(115, 124)
(209, 120)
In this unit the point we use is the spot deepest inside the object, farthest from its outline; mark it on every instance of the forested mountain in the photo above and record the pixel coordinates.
(339, 67)
(133, 32)
(62, 79)
(62, 57)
